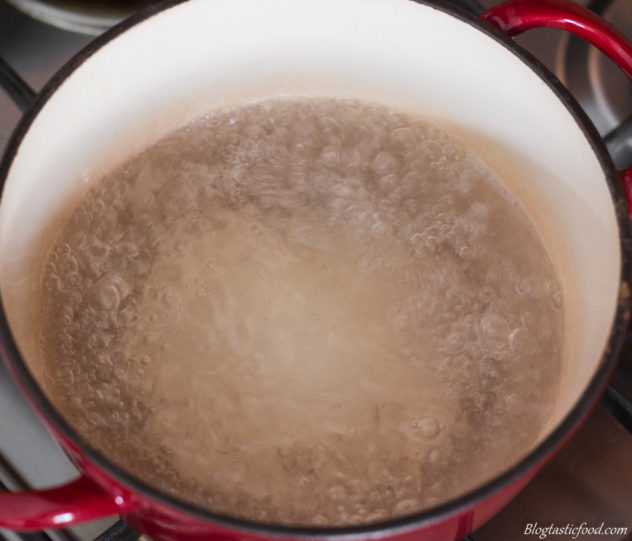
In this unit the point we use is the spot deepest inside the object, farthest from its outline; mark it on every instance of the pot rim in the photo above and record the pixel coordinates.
(11, 355)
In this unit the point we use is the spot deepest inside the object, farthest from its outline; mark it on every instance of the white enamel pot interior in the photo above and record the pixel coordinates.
(199, 55)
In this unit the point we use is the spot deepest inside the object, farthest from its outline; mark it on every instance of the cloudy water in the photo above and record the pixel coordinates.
(306, 311)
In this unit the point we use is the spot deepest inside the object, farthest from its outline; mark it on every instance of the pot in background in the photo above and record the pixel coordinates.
(84, 16)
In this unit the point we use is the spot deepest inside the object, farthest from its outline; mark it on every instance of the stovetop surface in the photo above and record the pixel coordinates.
(590, 481)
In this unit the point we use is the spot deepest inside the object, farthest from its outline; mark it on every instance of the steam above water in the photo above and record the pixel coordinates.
(314, 312)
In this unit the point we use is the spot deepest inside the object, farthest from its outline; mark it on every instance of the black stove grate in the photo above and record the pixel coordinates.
(121, 531)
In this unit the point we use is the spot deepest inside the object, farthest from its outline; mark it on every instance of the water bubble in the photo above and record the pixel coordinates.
(385, 162)
(183, 246)
(376, 516)
(426, 426)
(336, 493)
(388, 182)
(526, 287)
(513, 402)
(495, 326)
(432, 241)
(519, 339)
(406, 506)
(465, 253)
(130, 248)
(109, 298)
(104, 359)
(404, 136)
(330, 156)
(436, 456)
(52, 283)
(69, 264)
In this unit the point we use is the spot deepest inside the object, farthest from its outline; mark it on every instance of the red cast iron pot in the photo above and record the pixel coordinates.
(175, 61)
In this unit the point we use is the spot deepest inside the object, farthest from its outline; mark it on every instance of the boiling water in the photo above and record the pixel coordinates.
(304, 311)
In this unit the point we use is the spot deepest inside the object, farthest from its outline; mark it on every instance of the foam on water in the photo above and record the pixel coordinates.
(304, 311)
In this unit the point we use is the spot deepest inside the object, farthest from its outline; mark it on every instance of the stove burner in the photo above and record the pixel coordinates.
(602, 89)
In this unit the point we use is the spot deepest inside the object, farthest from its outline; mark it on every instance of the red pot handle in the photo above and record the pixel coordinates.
(516, 16)
(78, 501)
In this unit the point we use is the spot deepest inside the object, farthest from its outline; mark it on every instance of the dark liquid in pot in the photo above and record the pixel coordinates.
(315, 312)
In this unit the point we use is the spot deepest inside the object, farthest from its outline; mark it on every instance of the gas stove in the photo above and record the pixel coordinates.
(589, 481)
